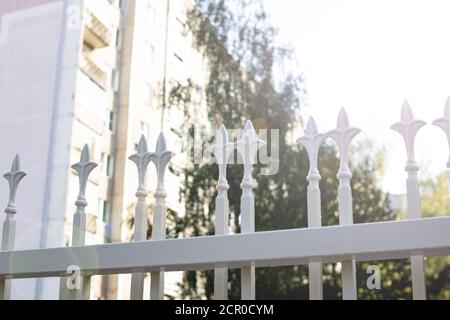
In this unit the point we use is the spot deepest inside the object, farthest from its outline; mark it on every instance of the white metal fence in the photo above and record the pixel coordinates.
(346, 243)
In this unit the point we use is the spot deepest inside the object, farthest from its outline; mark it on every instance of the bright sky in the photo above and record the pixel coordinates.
(368, 56)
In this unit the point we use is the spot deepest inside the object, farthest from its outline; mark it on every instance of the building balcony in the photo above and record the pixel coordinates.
(93, 71)
(92, 105)
(101, 21)
(96, 33)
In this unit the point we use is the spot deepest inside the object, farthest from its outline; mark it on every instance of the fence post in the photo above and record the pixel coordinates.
(311, 142)
(9, 225)
(222, 150)
(248, 147)
(141, 159)
(160, 158)
(84, 169)
(444, 124)
(408, 127)
(343, 136)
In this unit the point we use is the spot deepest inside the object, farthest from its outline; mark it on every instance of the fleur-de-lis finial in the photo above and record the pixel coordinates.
(141, 159)
(84, 169)
(311, 141)
(222, 150)
(248, 147)
(343, 135)
(444, 124)
(14, 177)
(408, 127)
(161, 158)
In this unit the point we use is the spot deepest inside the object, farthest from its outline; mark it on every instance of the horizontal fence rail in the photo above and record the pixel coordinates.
(361, 242)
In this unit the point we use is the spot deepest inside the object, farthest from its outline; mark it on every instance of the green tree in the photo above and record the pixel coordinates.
(435, 201)
(247, 80)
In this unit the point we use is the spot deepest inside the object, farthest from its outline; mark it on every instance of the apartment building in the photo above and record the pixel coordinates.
(93, 71)
(157, 54)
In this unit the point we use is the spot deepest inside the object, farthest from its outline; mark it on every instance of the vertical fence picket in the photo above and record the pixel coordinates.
(408, 127)
(222, 150)
(343, 136)
(160, 158)
(248, 147)
(141, 159)
(84, 169)
(9, 225)
(311, 141)
(444, 124)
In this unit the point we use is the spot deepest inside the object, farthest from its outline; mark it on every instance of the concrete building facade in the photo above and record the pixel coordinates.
(88, 71)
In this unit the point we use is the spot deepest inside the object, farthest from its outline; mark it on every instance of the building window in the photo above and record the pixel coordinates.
(180, 22)
(178, 57)
(119, 40)
(115, 80)
(149, 52)
(148, 58)
(151, 14)
(198, 96)
(145, 129)
(103, 211)
(111, 121)
(147, 94)
(106, 164)
(182, 26)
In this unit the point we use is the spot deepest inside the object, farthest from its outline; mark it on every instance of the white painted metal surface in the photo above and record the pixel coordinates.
(408, 127)
(343, 136)
(313, 245)
(9, 225)
(376, 241)
(248, 147)
(160, 158)
(142, 160)
(83, 168)
(222, 150)
(311, 141)
(444, 124)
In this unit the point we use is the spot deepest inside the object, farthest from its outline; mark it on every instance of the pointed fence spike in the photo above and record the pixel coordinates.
(408, 127)
(248, 147)
(142, 147)
(406, 114)
(14, 177)
(85, 154)
(343, 122)
(343, 135)
(447, 108)
(222, 137)
(222, 150)
(141, 159)
(444, 124)
(83, 168)
(161, 145)
(311, 127)
(160, 158)
(9, 225)
(311, 142)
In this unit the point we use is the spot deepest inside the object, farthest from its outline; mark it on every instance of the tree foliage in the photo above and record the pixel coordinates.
(246, 80)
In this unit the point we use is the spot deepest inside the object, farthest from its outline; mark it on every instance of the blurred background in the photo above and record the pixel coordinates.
(104, 72)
